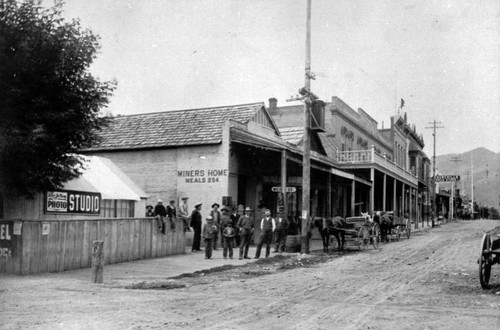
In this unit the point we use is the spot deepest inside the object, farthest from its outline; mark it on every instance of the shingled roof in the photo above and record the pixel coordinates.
(173, 128)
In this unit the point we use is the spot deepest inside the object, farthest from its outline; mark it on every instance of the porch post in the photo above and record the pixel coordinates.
(353, 198)
(372, 190)
(329, 195)
(403, 200)
(283, 183)
(394, 200)
(410, 204)
(385, 192)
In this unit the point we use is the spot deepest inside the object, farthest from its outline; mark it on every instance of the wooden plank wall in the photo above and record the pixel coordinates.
(68, 244)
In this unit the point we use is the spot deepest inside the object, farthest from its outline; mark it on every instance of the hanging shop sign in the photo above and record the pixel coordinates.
(287, 189)
(72, 202)
(447, 178)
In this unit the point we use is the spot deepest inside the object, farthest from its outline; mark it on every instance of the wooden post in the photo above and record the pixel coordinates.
(372, 190)
(283, 183)
(353, 198)
(97, 261)
(384, 206)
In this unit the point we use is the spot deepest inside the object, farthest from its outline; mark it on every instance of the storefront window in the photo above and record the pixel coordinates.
(112, 208)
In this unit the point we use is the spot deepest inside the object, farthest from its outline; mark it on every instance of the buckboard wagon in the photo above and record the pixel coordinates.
(490, 255)
(400, 226)
(361, 231)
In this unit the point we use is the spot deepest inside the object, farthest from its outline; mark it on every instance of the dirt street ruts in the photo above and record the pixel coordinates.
(429, 281)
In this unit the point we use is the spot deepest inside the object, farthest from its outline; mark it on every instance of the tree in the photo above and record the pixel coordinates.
(49, 102)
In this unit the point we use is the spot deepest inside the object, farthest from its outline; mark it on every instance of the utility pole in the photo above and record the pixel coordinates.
(308, 97)
(472, 183)
(455, 160)
(434, 127)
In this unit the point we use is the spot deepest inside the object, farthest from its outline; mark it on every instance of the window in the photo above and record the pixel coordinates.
(112, 208)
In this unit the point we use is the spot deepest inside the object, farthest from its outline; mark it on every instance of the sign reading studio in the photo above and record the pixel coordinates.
(72, 202)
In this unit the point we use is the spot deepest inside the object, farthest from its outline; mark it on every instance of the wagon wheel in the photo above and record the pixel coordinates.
(398, 234)
(375, 236)
(484, 262)
(364, 237)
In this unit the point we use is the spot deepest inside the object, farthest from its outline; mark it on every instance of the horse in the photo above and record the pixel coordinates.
(327, 227)
(386, 224)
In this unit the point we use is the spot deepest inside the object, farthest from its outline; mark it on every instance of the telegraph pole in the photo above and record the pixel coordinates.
(308, 97)
(306, 163)
(455, 160)
(434, 127)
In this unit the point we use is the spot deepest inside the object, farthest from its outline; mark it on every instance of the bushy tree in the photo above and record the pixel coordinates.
(49, 102)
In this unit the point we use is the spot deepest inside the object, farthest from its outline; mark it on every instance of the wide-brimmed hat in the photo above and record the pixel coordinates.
(149, 206)
(159, 201)
(248, 208)
(172, 201)
(184, 198)
(215, 204)
(210, 218)
(199, 204)
(224, 209)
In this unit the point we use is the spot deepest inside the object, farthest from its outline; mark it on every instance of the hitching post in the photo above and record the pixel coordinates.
(97, 262)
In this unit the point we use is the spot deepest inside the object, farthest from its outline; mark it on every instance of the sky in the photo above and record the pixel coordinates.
(442, 57)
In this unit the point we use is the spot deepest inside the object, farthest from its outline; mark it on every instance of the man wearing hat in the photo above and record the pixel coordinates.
(267, 225)
(234, 218)
(172, 214)
(224, 222)
(245, 226)
(160, 213)
(196, 224)
(209, 231)
(280, 233)
(216, 216)
(184, 213)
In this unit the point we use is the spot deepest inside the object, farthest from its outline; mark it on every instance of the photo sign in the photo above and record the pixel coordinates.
(71, 202)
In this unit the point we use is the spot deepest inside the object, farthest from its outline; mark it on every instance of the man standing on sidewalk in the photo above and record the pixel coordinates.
(267, 226)
(234, 218)
(216, 216)
(245, 226)
(196, 224)
(280, 233)
(209, 231)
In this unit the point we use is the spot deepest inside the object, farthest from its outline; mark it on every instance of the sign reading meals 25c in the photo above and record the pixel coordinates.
(202, 176)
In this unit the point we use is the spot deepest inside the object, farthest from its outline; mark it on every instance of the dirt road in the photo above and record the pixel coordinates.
(427, 282)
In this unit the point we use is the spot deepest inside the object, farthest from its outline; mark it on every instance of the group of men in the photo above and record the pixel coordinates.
(224, 228)
(166, 216)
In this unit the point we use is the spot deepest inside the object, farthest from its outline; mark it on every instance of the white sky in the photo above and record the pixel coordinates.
(442, 57)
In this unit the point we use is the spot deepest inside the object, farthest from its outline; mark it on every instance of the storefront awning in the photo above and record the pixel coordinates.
(103, 176)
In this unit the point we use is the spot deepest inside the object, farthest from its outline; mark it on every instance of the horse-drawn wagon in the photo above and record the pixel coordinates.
(392, 226)
(361, 230)
(490, 255)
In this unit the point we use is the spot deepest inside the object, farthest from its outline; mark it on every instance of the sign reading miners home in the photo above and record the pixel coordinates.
(70, 201)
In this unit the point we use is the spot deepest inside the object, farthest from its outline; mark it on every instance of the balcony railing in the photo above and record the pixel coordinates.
(360, 157)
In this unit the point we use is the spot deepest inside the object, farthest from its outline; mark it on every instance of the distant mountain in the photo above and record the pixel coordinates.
(486, 174)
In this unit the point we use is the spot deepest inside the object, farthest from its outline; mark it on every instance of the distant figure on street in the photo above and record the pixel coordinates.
(208, 234)
(216, 216)
(246, 228)
(160, 213)
(235, 217)
(228, 236)
(280, 233)
(268, 226)
(172, 214)
(150, 211)
(196, 224)
(184, 213)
